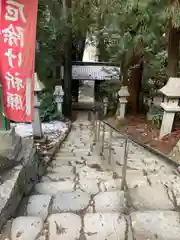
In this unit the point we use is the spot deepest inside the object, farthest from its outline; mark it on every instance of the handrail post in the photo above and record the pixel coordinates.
(95, 128)
(110, 145)
(98, 130)
(102, 140)
(124, 169)
(105, 106)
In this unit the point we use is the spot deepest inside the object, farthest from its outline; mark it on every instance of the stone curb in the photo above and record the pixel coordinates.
(24, 176)
(57, 145)
(153, 150)
(147, 147)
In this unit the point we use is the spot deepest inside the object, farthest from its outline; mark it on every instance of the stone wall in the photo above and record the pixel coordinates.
(19, 181)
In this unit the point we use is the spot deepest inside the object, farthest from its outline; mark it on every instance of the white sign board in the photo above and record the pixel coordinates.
(94, 72)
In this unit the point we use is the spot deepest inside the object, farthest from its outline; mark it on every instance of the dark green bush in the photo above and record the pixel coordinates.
(48, 109)
(110, 90)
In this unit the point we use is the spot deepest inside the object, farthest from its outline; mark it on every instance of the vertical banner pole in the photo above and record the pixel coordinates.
(17, 58)
(5, 127)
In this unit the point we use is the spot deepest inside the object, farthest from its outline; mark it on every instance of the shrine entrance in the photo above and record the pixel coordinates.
(94, 72)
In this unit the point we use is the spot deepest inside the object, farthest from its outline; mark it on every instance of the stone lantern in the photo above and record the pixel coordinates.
(59, 94)
(123, 94)
(37, 126)
(171, 91)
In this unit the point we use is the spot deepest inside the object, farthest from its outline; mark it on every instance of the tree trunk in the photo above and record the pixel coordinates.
(173, 51)
(67, 105)
(135, 87)
(133, 81)
(102, 57)
(102, 54)
(77, 55)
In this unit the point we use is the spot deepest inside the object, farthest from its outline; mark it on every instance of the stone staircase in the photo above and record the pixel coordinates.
(79, 200)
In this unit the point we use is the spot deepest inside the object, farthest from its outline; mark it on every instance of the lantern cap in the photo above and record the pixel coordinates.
(172, 88)
(38, 85)
(58, 91)
(123, 92)
(105, 99)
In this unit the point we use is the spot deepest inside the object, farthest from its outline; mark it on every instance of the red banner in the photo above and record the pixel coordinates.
(17, 57)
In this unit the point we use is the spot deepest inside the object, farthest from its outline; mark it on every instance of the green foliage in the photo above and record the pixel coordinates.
(135, 27)
(157, 112)
(130, 28)
(157, 120)
(46, 36)
(110, 90)
(48, 110)
(127, 28)
(51, 31)
(154, 75)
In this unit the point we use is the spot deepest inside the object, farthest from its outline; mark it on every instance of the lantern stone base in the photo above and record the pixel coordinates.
(59, 108)
(123, 94)
(171, 91)
(122, 109)
(37, 127)
(168, 118)
(167, 123)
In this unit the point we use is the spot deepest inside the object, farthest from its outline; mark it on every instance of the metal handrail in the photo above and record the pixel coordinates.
(99, 127)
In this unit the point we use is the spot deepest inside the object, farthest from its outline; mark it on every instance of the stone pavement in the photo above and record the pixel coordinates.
(79, 200)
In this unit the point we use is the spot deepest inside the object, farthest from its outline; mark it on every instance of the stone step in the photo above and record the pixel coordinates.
(110, 185)
(98, 174)
(156, 225)
(92, 160)
(79, 201)
(91, 186)
(52, 188)
(136, 178)
(27, 228)
(77, 144)
(80, 135)
(67, 158)
(77, 150)
(104, 226)
(55, 177)
(60, 173)
(82, 152)
(70, 226)
(110, 202)
(71, 202)
(93, 226)
(147, 198)
(64, 170)
(38, 206)
(65, 151)
(65, 154)
(75, 161)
